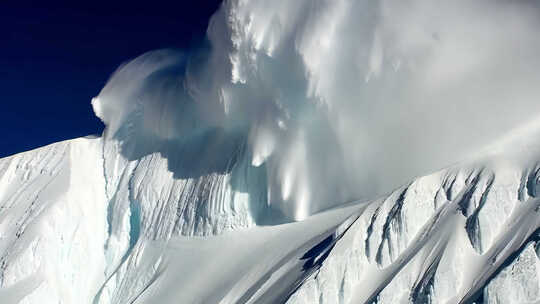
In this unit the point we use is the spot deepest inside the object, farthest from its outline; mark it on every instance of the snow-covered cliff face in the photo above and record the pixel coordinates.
(463, 234)
(53, 223)
(210, 180)
(74, 216)
(71, 234)
(466, 234)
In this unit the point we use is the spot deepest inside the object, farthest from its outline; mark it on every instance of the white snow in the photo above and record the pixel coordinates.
(299, 161)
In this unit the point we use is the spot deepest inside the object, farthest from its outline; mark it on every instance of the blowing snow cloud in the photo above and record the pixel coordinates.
(332, 100)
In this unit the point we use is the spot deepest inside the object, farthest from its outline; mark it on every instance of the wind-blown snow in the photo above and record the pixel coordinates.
(210, 156)
(338, 100)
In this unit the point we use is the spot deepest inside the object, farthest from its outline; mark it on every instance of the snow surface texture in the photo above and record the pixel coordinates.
(266, 166)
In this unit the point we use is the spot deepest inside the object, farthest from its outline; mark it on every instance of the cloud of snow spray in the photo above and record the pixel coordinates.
(338, 99)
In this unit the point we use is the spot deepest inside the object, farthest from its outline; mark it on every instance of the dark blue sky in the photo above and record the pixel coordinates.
(55, 59)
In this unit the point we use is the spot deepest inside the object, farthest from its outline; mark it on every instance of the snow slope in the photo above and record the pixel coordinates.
(461, 234)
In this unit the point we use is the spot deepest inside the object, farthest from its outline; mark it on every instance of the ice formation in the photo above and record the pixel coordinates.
(296, 159)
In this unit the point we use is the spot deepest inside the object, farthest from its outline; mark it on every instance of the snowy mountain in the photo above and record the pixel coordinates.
(75, 232)
(296, 160)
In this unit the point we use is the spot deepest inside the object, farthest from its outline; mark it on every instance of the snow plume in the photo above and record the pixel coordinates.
(335, 99)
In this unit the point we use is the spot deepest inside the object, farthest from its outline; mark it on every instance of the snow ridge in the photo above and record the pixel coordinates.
(458, 235)
(440, 239)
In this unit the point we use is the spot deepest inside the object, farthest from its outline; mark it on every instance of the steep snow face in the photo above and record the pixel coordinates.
(66, 237)
(519, 282)
(53, 224)
(464, 234)
(76, 215)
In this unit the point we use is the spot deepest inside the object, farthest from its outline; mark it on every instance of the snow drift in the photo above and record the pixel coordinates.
(280, 163)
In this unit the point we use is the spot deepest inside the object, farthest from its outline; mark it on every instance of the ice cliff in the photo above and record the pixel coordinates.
(296, 158)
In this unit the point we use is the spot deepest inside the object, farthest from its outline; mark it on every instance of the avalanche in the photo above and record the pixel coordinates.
(297, 159)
